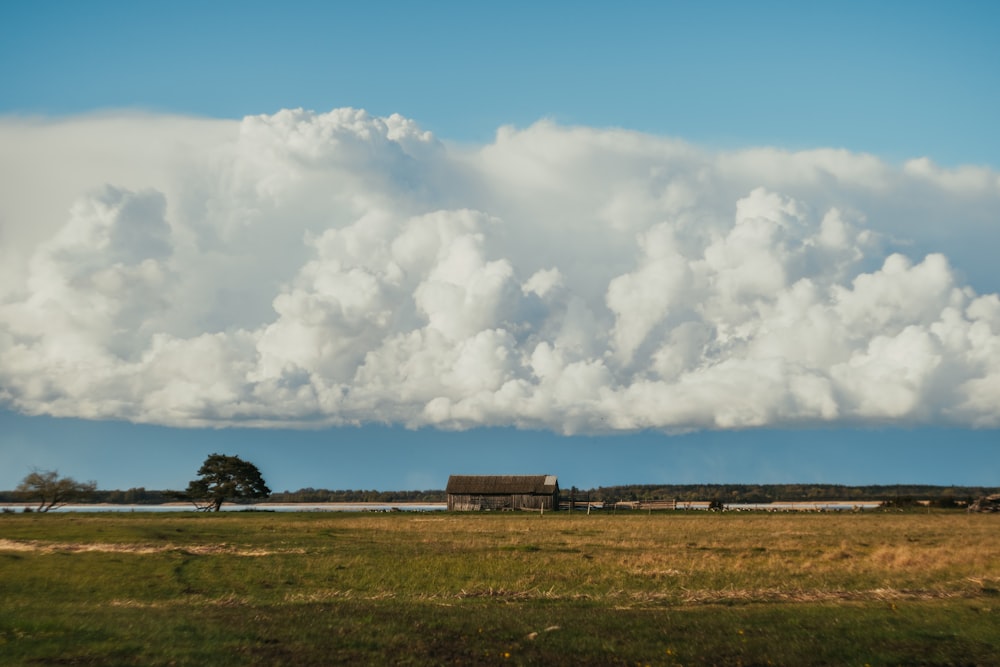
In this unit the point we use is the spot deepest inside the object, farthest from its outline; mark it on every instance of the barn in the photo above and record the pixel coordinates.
(503, 492)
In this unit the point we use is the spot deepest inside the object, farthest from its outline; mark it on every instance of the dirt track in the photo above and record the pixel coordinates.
(78, 547)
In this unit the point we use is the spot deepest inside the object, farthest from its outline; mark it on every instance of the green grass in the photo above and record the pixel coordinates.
(430, 589)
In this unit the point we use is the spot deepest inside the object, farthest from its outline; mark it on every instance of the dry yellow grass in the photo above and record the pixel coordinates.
(687, 557)
(680, 557)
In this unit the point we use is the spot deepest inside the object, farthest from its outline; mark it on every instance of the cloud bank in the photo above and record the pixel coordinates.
(303, 269)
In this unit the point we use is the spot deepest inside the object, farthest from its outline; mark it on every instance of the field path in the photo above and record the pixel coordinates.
(79, 547)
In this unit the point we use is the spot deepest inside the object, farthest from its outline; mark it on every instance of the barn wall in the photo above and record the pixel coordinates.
(474, 502)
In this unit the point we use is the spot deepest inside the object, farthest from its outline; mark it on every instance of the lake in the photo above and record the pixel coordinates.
(260, 507)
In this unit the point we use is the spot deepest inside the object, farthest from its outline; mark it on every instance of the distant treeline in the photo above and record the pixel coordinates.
(358, 496)
(724, 493)
(142, 496)
(136, 496)
(767, 493)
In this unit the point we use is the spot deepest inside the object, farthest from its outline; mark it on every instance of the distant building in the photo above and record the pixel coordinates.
(472, 493)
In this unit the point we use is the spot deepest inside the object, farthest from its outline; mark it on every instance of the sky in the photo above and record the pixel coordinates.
(372, 246)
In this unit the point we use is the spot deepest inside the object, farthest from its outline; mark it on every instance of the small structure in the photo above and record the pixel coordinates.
(470, 493)
(986, 504)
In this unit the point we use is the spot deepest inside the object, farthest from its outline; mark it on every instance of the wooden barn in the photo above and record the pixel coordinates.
(503, 492)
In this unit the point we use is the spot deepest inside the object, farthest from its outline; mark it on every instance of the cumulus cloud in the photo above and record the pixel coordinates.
(309, 268)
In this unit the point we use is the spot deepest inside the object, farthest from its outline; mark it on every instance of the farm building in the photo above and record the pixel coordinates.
(503, 492)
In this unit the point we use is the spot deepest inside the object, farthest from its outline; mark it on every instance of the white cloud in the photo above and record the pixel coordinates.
(304, 268)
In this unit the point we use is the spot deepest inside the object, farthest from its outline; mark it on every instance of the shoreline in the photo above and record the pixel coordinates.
(362, 506)
(230, 507)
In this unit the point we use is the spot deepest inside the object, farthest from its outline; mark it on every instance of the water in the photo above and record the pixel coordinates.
(791, 506)
(437, 507)
(262, 507)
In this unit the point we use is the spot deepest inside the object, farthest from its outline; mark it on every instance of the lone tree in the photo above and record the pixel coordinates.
(52, 491)
(223, 478)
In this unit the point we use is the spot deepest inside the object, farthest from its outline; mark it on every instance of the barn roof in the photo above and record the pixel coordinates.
(488, 484)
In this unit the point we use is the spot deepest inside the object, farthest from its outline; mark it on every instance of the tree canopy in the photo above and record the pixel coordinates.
(224, 478)
(52, 491)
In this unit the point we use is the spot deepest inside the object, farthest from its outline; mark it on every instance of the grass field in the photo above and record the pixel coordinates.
(668, 588)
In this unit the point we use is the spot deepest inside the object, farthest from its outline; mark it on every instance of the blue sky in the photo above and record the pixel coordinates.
(121, 455)
(865, 130)
(895, 79)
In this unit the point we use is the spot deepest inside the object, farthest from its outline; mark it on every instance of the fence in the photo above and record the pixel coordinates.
(582, 505)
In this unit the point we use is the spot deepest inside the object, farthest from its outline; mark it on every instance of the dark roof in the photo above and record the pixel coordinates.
(490, 484)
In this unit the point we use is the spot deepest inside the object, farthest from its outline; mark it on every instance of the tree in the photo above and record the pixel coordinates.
(52, 491)
(223, 478)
